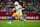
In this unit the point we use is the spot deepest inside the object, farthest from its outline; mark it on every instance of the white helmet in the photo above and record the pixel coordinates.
(16, 3)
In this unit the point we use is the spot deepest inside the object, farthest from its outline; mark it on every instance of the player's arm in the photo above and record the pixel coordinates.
(13, 9)
(21, 7)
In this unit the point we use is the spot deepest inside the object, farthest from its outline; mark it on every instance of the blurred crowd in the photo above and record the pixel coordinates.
(32, 5)
(29, 5)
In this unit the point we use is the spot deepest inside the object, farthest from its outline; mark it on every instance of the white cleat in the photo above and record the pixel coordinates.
(9, 22)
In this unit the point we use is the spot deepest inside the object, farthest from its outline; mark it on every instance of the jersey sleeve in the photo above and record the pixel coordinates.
(20, 6)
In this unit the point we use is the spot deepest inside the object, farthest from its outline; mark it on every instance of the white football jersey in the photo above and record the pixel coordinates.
(18, 10)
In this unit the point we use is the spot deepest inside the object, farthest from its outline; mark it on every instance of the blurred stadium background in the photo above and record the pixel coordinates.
(32, 13)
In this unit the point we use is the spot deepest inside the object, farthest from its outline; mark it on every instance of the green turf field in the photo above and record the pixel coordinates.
(15, 23)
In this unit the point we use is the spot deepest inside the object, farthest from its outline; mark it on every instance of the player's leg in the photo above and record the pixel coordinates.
(18, 17)
(22, 19)
(12, 18)
(14, 15)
